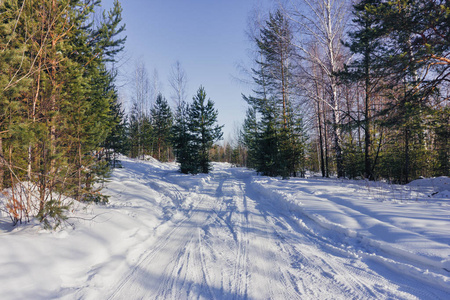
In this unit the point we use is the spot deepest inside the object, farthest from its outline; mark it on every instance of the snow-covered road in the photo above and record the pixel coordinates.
(225, 239)
(234, 235)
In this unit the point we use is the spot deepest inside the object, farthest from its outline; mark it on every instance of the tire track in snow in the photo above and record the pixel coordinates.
(342, 267)
(240, 273)
(234, 242)
(231, 216)
(206, 277)
(150, 255)
(177, 253)
(276, 266)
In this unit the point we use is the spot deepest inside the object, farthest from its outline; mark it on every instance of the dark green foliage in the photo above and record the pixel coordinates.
(140, 134)
(250, 134)
(353, 160)
(134, 132)
(53, 214)
(273, 133)
(194, 132)
(268, 155)
(204, 130)
(58, 99)
(401, 58)
(117, 141)
(182, 140)
(161, 123)
(441, 125)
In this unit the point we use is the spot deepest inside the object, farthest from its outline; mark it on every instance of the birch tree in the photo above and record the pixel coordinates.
(140, 112)
(322, 23)
(178, 83)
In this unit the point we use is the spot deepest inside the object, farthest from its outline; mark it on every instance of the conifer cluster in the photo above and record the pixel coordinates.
(273, 129)
(58, 102)
(149, 131)
(401, 64)
(194, 132)
(373, 97)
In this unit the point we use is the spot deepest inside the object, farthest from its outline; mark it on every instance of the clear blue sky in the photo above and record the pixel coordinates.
(206, 36)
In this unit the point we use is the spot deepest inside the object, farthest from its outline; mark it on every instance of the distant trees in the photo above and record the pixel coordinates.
(150, 120)
(140, 119)
(178, 83)
(188, 133)
(154, 130)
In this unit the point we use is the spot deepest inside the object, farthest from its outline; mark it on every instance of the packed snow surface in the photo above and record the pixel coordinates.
(234, 235)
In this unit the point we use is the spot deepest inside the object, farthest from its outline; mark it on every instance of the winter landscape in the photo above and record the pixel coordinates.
(232, 234)
(143, 157)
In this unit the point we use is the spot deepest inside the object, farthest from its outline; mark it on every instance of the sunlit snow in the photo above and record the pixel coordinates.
(234, 235)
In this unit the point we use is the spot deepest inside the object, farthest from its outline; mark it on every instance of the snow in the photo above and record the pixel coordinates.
(234, 235)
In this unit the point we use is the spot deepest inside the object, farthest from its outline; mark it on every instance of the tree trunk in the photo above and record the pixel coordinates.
(337, 133)
(2, 165)
(322, 162)
(367, 140)
(406, 167)
(325, 130)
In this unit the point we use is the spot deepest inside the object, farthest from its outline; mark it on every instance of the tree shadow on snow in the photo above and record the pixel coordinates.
(6, 226)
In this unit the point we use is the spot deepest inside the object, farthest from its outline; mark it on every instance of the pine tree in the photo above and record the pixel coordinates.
(56, 125)
(402, 49)
(269, 160)
(107, 37)
(412, 51)
(276, 148)
(15, 80)
(250, 135)
(204, 130)
(364, 44)
(278, 54)
(162, 122)
(182, 139)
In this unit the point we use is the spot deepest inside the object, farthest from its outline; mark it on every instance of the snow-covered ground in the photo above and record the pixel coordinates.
(234, 235)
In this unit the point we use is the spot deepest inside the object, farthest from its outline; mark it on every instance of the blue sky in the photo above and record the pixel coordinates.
(206, 36)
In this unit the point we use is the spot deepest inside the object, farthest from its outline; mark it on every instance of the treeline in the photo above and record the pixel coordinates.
(58, 102)
(370, 88)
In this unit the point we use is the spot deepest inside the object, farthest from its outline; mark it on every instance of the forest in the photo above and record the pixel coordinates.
(354, 91)
(358, 95)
